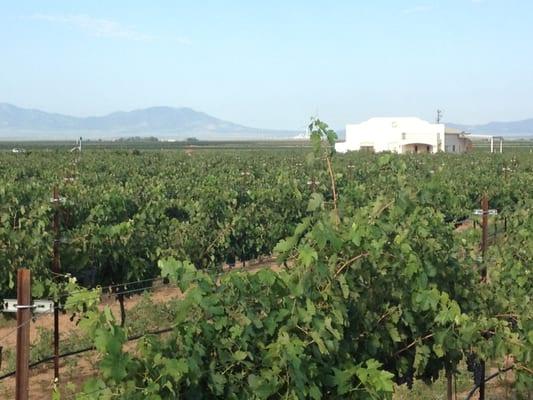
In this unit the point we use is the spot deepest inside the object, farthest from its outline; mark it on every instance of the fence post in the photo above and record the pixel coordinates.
(23, 333)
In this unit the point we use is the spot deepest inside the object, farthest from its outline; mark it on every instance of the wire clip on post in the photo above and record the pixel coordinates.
(489, 212)
(38, 306)
(59, 200)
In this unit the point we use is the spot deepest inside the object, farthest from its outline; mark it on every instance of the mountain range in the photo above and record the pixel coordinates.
(162, 122)
(522, 128)
(172, 123)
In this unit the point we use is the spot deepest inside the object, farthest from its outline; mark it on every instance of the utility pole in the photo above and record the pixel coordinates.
(23, 333)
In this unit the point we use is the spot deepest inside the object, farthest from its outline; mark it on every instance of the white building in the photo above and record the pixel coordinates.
(403, 135)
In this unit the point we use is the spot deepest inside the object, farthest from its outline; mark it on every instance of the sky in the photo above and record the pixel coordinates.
(272, 64)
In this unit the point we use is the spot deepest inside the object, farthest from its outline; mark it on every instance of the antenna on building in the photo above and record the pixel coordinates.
(439, 116)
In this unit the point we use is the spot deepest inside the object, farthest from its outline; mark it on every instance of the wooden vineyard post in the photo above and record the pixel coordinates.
(55, 269)
(484, 235)
(449, 385)
(23, 333)
(484, 244)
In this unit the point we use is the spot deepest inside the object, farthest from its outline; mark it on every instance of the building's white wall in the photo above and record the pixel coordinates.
(341, 147)
(418, 148)
(392, 134)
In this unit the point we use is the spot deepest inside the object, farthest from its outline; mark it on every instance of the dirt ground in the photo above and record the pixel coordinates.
(467, 224)
(76, 369)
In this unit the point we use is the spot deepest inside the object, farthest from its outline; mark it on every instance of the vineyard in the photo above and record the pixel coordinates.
(379, 280)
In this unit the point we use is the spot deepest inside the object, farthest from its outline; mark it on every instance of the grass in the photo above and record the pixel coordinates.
(148, 316)
(435, 391)
(4, 321)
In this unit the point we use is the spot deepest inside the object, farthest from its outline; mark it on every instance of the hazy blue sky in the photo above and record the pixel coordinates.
(272, 64)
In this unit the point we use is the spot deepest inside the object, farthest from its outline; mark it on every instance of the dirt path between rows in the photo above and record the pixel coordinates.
(76, 369)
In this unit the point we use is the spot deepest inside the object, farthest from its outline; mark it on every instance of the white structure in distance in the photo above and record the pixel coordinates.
(403, 135)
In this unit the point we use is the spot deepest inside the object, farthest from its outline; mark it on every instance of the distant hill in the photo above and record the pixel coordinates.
(510, 128)
(173, 123)
(163, 122)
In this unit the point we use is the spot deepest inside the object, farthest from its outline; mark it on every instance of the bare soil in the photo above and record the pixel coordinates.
(75, 370)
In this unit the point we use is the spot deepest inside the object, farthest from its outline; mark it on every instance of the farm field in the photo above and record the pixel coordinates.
(148, 311)
(375, 291)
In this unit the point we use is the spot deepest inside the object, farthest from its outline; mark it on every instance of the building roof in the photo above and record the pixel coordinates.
(401, 120)
(399, 124)
(454, 131)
